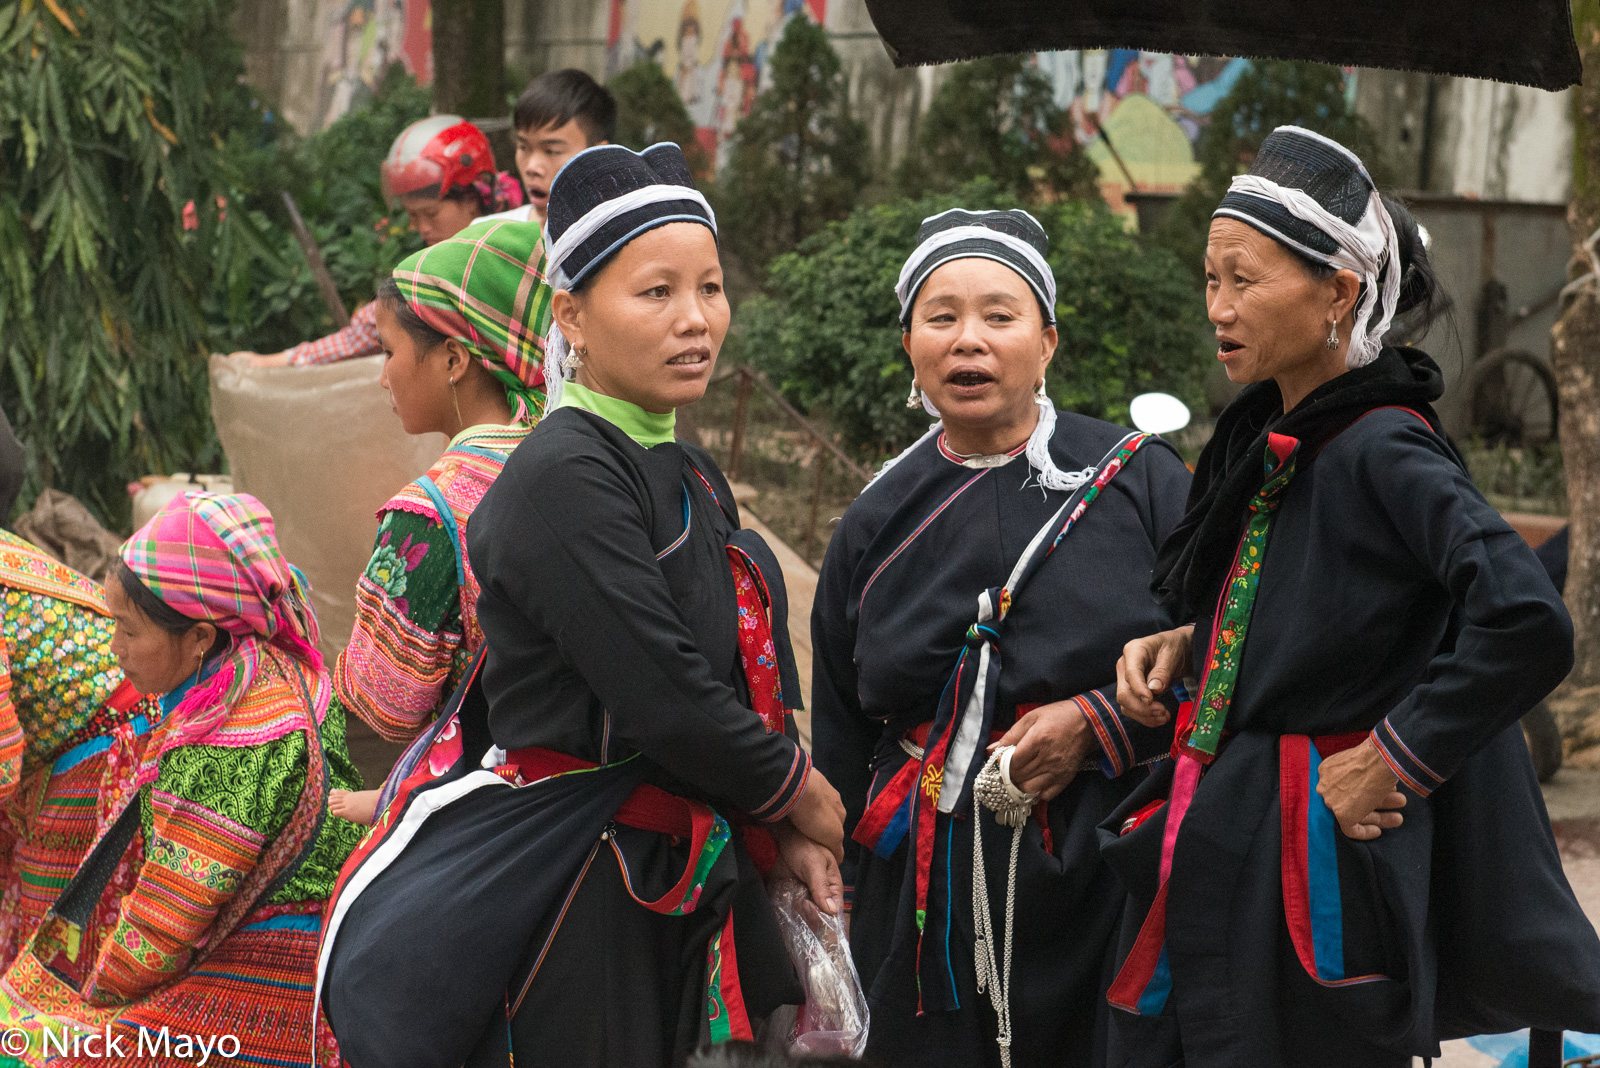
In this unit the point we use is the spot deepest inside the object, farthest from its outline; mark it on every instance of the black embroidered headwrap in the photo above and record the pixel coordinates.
(603, 198)
(1013, 238)
(1312, 195)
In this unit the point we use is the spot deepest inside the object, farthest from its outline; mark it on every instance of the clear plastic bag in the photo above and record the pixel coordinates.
(833, 1020)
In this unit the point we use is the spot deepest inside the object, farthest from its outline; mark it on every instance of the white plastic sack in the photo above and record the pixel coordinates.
(323, 450)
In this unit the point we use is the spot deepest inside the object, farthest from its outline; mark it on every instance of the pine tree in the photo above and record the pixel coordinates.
(996, 118)
(799, 160)
(649, 111)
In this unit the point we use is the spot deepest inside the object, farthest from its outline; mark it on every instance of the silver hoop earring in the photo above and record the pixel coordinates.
(914, 401)
(1333, 335)
(1040, 392)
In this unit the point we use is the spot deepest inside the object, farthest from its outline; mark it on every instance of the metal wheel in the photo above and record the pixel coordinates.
(1511, 398)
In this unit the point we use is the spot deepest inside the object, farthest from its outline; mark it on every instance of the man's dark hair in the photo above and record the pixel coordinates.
(561, 96)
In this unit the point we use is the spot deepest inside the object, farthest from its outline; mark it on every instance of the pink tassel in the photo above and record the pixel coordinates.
(298, 648)
(207, 697)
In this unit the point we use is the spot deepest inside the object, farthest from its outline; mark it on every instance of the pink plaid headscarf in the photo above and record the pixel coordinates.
(215, 558)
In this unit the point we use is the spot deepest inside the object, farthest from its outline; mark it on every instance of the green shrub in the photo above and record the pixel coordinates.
(141, 228)
(268, 304)
(996, 118)
(107, 123)
(798, 160)
(827, 330)
(649, 111)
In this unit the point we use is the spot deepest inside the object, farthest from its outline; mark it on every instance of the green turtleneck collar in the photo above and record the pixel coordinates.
(647, 428)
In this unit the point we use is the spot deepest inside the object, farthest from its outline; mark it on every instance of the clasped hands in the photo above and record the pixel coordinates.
(811, 846)
(1357, 785)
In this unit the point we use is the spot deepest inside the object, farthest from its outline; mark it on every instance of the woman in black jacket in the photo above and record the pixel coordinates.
(608, 907)
(1349, 859)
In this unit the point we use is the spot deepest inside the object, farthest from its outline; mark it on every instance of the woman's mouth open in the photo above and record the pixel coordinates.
(1227, 347)
(969, 381)
(691, 359)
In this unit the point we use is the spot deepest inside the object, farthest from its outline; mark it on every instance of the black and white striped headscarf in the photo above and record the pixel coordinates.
(1013, 238)
(603, 198)
(1313, 195)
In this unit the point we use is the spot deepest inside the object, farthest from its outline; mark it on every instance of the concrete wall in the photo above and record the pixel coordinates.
(1522, 246)
(1470, 138)
(315, 58)
(312, 60)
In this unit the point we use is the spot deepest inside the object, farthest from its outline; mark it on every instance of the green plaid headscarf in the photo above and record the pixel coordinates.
(485, 287)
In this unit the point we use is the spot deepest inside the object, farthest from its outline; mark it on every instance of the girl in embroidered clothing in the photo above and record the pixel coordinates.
(462, 324)
(1347, 860)
(233, 850)
(71, 730)
(976, 595)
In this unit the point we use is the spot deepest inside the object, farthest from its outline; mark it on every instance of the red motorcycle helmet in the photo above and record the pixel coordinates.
(435, 155)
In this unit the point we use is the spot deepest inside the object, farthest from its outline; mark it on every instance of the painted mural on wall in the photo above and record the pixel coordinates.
(715, 51)
(360, 39)
(1152, 106)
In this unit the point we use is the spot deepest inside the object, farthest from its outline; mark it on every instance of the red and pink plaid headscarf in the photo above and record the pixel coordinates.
(215, 558)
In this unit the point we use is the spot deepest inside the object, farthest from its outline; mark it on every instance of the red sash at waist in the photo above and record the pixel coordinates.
(647, 808)
(887, 818)
(1309, 877)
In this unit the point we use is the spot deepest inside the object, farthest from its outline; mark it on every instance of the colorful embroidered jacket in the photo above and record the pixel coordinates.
(208, 818)
(56, 660)
(416, 618)
(70, 728)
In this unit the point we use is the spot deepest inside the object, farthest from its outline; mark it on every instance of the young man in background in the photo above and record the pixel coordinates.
(557, 116)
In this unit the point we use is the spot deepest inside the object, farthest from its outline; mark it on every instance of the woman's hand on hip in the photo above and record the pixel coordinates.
(819, 814)
(1146, 671)
(1052, 742)
(1362, 792)
(813, 865)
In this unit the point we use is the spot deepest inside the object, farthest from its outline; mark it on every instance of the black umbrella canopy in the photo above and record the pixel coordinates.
(1525, 41)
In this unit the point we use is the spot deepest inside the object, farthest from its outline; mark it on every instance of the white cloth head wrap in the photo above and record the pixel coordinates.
(1365, 249)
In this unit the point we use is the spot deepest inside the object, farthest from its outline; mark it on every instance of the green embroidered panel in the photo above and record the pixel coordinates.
(258, 787)
(415, 564)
